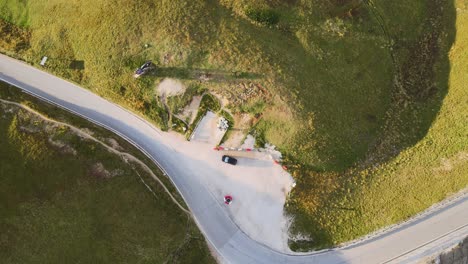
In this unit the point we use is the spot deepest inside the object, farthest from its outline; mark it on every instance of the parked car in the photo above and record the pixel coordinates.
(229, 159)
(146, 67)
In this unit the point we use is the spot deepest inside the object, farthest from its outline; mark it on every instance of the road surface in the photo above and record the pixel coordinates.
(403, 244)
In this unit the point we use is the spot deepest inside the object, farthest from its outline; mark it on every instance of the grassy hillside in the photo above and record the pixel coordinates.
(422, 155)
(326, 64)
(350, 91)
(67, 199)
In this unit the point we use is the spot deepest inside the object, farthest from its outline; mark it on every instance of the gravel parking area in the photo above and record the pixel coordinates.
(259, 188)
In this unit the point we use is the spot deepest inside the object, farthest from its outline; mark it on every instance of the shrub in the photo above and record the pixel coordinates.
(266, 17)
(14, 38)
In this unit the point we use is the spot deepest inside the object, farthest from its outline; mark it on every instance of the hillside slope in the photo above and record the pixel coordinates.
(364, 98)
(66, 198)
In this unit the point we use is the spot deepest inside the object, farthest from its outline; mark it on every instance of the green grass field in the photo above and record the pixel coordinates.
(67, 199)
(363, 98)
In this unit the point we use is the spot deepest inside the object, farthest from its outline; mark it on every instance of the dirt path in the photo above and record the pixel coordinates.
(170, 87)
(167, 88)
(125, 156)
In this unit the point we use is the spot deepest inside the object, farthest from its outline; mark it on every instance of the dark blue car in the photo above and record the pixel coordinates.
(144, 68)
(229, 160)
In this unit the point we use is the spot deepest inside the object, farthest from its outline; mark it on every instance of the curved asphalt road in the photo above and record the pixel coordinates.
(403, 244)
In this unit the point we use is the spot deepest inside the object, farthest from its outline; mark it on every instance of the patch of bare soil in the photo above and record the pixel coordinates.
(240, 93)
(170, 87)
(97, 170)
(87, 131)
(62, 147)
(223, 100)
(234, 140)
(114, 144)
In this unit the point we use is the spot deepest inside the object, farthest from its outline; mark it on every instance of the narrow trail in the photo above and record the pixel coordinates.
(125, 156)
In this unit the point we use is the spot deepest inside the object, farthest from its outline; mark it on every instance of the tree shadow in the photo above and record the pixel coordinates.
(210, 75)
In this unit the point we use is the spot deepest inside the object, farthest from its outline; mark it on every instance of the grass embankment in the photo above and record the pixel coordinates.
(358, 95)
(64, 198)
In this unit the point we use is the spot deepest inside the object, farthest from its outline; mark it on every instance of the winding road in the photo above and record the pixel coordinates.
(403, 244)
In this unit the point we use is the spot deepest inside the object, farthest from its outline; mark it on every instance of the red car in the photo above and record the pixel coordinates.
(228, 199)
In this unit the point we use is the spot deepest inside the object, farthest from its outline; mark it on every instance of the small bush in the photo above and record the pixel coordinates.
(266, 17)
(209, 102)
(14, 39)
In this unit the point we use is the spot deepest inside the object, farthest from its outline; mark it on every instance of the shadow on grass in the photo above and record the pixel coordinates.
(422, 74)
(421, 86)
(399, 116)
(202, 74)
(321, 236)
